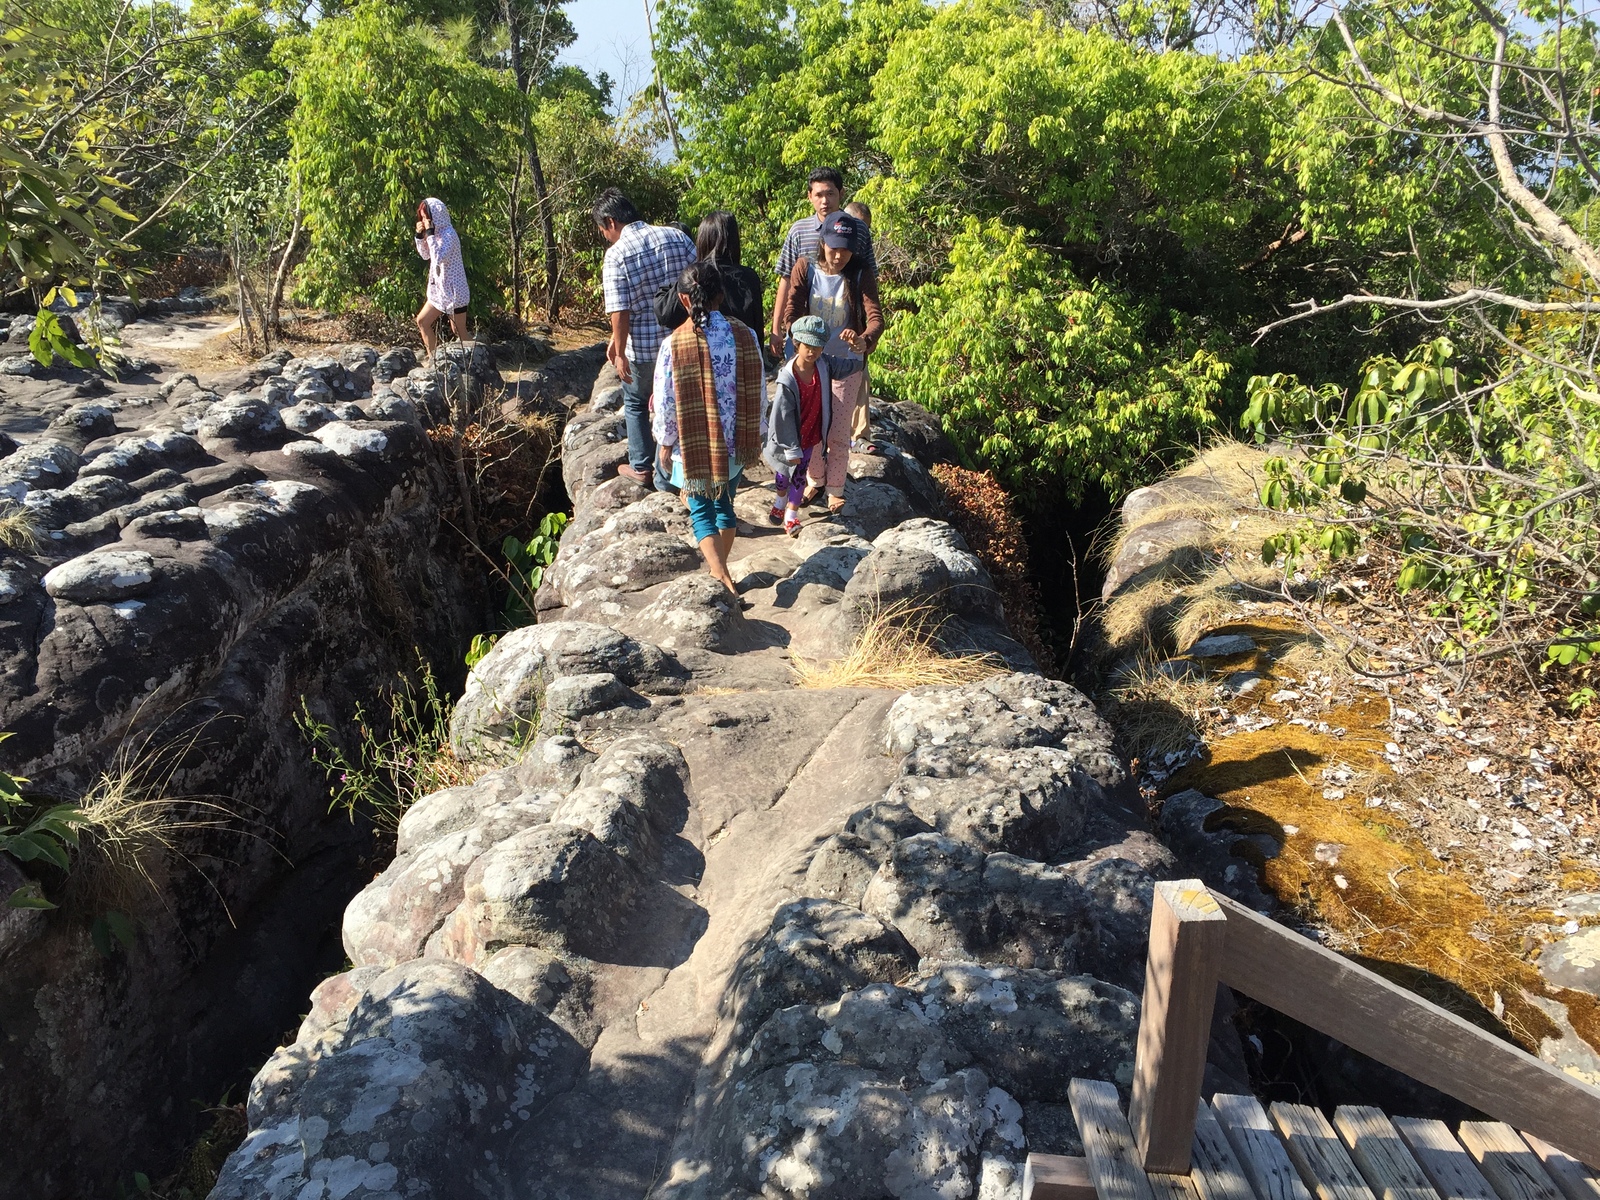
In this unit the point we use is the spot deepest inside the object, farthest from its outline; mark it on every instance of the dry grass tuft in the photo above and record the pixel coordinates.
(20, 531)
(1210, 601)
(135, 828)
(1233, 464)
(1133, 619)
(1156, 714)
(898, 649)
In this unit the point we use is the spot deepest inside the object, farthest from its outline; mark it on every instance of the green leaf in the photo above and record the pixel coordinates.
(29, 895)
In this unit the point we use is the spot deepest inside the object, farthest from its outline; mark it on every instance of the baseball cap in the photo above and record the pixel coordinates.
(839, 231)
(810, 331)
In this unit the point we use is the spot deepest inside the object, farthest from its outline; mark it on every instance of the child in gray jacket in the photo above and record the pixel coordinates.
(797, 427)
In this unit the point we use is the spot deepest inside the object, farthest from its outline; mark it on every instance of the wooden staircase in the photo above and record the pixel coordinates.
(1173, 1145)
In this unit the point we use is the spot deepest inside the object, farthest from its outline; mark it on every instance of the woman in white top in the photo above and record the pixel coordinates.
(447, 275)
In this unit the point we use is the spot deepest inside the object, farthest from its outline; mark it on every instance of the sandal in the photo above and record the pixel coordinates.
(835, 505)
(775, 515)
(791, 524)
(810, 495)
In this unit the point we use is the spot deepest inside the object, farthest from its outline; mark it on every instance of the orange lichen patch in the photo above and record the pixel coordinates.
(1363, 876)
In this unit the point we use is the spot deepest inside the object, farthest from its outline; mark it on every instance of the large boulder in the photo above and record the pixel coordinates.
(915, 1090)
(499, 707)
(555, 886)
(1007, 712)
(416, 1094)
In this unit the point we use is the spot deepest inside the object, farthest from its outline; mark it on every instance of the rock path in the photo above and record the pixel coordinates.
(699, 932)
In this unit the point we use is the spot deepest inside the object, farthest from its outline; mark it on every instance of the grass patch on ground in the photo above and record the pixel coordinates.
(898, 649)
(20, 531)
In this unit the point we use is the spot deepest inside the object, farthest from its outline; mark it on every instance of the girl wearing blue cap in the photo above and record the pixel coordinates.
(797, 427)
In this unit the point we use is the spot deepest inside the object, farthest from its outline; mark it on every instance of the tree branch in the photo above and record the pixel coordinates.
(1470, 296)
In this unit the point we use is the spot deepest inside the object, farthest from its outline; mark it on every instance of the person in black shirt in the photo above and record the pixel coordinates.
(717, 242)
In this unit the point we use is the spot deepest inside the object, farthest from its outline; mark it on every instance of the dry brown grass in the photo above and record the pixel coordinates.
(1133, 619)
(1233, 464)
(1155, 714)
(898, 649)
(20, 531)
(1213, 599)
(135, 828)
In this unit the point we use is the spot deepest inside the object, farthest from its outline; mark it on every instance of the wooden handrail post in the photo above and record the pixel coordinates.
(1188, 931)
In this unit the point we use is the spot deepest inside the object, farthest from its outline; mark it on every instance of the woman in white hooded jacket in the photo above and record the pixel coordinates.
(447, 276)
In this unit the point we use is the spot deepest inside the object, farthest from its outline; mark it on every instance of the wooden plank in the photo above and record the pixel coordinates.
(1057, 1177)
(1107, 1142)
(1217, 1172)
(1314, 1148)
(1172, 1187)
(1576, 1181)
(1443, 1160)
(1187, 941)
(1384, 1021)
(1511, 1168)
(1380, 1155)
(1266, 1163)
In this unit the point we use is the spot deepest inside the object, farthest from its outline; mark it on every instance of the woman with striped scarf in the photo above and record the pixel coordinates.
(708, 393)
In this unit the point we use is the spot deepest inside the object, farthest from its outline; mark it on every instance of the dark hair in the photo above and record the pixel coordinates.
(718, 238)
(864, 215)
(702, 283)
(612, 205)
(825, 175)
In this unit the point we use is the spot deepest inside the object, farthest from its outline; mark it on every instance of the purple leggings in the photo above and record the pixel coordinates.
(791, 484)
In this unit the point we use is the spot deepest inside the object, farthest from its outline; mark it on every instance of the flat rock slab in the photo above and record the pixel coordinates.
(1574, 962)
(612, 1137)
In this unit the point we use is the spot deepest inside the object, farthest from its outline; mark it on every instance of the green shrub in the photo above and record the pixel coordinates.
(1483, 496)
(399, 755)
(1043, 379)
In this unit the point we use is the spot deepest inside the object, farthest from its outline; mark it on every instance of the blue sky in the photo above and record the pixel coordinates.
(612, 37)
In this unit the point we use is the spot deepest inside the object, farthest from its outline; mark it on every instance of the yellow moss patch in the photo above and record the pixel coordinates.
(1363, 875)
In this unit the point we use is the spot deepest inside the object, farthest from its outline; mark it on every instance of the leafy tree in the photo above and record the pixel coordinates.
(1042, 378)
(59, 211)
(386, 116)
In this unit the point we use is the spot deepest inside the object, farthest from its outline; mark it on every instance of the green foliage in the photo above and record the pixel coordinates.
(31, 833)
(386, 116)
(479, 648)
(398, 755)
(525, 563)
(1044, 379)
(48, 340)
(1484, 498)
(59, 212)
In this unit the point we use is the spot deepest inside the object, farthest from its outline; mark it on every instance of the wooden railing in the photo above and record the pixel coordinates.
(1199, 939)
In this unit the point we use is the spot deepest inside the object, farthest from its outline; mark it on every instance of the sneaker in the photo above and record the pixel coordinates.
(862, 446)
(628, 472)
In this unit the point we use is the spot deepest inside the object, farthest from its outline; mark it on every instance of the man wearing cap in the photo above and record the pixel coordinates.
(825, 191)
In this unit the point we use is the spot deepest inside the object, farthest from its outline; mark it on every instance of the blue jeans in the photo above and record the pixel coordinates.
(710, 513)
(636, 413)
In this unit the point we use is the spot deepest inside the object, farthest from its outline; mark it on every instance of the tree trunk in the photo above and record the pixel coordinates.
(244, 306)
(514, 229)
(275, 300)
(547, 224)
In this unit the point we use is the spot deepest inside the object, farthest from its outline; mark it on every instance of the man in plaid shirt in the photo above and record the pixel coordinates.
(640, 259)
